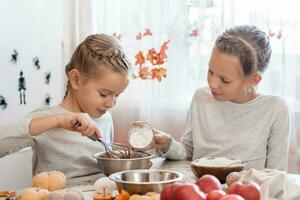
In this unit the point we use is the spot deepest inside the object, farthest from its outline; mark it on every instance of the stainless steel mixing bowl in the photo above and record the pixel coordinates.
(142, 181)
(137, 160)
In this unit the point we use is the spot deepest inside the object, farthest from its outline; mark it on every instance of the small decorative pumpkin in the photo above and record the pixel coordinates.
(67, 194)
(124, 195)
(139, 197)
(34, 194)
(53, 180)
(147, 196)
(153, 195)
(105, 183)
(102, 197)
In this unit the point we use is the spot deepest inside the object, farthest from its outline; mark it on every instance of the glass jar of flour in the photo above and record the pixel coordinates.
(140, 136)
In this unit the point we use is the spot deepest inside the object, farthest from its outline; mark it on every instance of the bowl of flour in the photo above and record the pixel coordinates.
(140, 136)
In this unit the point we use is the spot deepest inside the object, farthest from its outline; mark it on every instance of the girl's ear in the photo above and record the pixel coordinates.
(254, 80)
(74, 78)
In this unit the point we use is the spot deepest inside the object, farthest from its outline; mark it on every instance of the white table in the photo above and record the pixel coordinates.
(160, 163)
(179, 166)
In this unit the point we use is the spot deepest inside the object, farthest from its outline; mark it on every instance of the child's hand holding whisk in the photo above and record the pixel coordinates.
(79, 122)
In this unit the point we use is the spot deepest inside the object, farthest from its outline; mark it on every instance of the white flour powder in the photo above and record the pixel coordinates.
(140, 137)
(214, 162)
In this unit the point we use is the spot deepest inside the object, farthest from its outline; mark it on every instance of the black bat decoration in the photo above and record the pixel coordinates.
(14, 56)
(48, 77)
(36, 62)
(3, 102)
(48, 100)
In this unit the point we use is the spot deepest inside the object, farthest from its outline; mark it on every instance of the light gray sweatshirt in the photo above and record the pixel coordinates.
(58, 149)
(258, 128)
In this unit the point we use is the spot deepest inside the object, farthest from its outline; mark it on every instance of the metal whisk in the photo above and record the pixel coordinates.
(113, 150)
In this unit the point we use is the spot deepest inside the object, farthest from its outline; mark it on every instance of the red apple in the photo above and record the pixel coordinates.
(235, 188)
(167, 192)
(215, 195)
(232, 197)
(250, 191)
(188, 191)
(207, 183)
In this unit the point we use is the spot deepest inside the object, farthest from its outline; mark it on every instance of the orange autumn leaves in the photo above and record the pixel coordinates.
(150, 63)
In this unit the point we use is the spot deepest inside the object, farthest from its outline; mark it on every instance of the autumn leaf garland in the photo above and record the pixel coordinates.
(150, 64)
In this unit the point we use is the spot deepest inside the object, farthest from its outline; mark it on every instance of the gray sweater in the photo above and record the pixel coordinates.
(258, 128)
(58, 149)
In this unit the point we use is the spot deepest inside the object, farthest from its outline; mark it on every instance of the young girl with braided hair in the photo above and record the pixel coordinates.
(97, 74)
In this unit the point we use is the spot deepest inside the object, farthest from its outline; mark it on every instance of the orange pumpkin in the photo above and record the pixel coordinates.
(53, 180)
(34, 194)
(124, 195)
(66, 194)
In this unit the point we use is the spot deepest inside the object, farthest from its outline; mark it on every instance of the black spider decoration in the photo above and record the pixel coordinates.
(3, 102)
(14, 56)
(36, 62)
(48, 99)
(48, 77)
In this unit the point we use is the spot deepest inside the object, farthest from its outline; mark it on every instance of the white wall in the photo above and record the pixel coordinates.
(33, 28)
(15, 170)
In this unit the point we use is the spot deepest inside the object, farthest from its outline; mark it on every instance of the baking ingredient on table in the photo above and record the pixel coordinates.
(34, 193)
(53, 180)
(219, 167)
(215, 162)
(105, 183)
(67, 194)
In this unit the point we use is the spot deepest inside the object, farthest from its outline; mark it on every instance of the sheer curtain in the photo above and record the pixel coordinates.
(281, 21)
(191, 26)
(162, 104)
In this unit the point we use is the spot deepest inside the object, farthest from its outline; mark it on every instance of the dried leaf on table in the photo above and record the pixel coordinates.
(7, 194)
